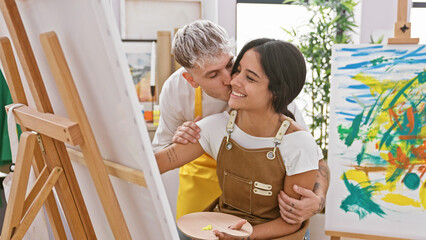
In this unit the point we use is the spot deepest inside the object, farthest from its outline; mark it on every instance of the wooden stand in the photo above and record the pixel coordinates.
(402, 31)
(337, 235)
(164, 60)
(51, 163)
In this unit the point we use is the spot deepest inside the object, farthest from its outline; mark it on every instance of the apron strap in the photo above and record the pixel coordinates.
(231, 121)
(277, 139)
(198, 103)
(230, 127)
(281, 132)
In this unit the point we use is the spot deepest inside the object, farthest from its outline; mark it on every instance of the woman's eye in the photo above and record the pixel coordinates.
(250, 79)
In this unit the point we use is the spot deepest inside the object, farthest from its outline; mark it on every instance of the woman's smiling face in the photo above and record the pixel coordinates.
(250, 85)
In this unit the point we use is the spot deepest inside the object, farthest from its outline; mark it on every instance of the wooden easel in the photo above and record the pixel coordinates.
(402, 31)
(402, 35)
(51, 163)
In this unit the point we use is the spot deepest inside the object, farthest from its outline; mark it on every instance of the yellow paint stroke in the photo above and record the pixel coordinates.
(357, 176)
(375, 85)
(391, 185)
(384, 156)
(379, 187)
(400, 200)
(379, 86)
(422, 195)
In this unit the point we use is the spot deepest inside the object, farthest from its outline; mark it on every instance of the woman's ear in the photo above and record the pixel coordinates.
(190, 79)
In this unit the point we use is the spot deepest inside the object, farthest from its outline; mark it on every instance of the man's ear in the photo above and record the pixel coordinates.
(190, 79)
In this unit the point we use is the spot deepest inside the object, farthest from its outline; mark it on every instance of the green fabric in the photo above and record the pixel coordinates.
(5, 99)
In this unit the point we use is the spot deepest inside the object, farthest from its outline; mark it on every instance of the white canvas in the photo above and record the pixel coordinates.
(377, 141)
(90, 39)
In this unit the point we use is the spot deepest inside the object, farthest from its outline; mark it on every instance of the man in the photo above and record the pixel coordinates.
(201, 88)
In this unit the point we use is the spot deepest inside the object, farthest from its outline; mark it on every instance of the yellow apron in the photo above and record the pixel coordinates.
(198, 184)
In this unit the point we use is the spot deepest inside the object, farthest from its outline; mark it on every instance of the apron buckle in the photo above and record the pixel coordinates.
(228, 144)
(271, 154)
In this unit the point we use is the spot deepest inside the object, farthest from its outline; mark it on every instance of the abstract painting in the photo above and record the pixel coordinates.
(377, 142)
(140, 56)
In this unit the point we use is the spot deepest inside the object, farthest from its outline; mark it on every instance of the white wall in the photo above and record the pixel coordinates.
(227, 16)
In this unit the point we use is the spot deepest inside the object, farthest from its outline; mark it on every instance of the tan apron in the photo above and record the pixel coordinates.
(198, 184)
(251, 179)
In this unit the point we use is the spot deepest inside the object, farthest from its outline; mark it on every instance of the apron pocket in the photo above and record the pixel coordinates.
(237, 192)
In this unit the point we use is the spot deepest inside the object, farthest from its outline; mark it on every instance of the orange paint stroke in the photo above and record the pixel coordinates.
(395, 117)
(420, 151)
(401, 160)
(410, 116)
(409, 137)
(423, 173)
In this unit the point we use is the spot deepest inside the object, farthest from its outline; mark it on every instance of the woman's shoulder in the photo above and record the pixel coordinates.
(297, 137)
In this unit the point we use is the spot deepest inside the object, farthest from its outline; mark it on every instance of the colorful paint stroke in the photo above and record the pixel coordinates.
(378, 135)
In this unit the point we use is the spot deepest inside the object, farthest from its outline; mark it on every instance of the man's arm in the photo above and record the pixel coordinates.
(170, 118)
(298, 210)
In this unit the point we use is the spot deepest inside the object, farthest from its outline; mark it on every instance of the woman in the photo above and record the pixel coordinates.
(260, 149)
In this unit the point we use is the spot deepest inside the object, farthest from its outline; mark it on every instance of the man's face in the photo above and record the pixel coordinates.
(214, 78)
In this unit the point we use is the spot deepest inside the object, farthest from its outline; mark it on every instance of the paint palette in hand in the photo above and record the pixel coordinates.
(200, 225)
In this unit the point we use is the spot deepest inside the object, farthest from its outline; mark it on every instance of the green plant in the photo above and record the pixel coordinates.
(379, 41)
(331, 22)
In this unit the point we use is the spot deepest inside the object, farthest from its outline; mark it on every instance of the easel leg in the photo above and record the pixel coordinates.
(19, 184)
(18, 95)
(38, 203)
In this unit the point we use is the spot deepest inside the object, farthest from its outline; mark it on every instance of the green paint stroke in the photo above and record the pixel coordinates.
(360, 155)
(400, 92)
(352, 134)
(422, 77)
(387, 137)
(360, 200)
(379, 60)
(398, 172)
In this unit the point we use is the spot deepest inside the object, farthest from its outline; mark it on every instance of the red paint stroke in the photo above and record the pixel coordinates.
(401, 161)
(395, 117)
(410, 116)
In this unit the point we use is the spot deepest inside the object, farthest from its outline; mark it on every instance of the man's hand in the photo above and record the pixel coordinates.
(187, 132)
(225, 236)
(295, 211)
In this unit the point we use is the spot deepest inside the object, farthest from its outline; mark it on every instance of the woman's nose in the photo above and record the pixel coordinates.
(235, 80)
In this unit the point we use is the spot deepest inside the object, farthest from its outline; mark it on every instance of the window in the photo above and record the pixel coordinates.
(255, 20)
(417, 19)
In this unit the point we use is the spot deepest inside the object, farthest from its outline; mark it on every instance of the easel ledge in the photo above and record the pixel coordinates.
(337, 235)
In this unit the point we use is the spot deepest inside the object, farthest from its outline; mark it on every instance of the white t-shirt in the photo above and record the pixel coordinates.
(177, 106)
(299, 150)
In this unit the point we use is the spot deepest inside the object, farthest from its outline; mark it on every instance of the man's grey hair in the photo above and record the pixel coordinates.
(200, 42)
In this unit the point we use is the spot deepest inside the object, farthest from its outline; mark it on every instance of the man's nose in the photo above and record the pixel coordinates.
(227, 78)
